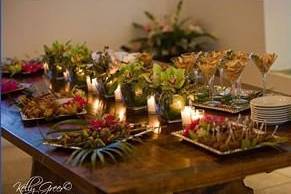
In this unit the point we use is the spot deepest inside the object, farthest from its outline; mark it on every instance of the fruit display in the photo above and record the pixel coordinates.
(224, 135)
(48, 106)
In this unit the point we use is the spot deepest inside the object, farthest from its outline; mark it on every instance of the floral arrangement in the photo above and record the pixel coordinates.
(73, 57)
(224, 135)
(15, 66)
(101, 139)
(8, 85)
(170, 37)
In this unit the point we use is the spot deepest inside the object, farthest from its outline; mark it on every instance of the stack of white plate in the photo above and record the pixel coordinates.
(271, 109)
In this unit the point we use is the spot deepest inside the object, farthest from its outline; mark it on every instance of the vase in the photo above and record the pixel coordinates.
(103, 88)
(134, 96)
(56, 71)
(170, 107)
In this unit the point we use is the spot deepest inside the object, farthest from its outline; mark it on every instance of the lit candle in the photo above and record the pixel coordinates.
(152, 107)
(94, 85)
(187, 115)
(138, 91)
(155, 123)
(46, 68)
(66, 75)
(67, 87)
(120, 111)
(118, 94)
(97, 107)
(89, 84)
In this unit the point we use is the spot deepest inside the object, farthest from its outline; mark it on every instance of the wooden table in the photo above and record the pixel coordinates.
(162, 165)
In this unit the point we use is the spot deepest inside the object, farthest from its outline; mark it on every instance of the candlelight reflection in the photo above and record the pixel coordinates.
(120, 111)
(155, 123)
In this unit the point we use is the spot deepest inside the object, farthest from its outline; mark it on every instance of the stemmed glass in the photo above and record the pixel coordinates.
(264, 63)
(233, 70)
(188, 61)
(208, 70)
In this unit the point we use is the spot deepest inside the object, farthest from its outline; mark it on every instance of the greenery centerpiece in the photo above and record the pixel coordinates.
(57, 57)
(169, 86)
(105, 65)
(80, 62)
(133, 84)
(170, 37)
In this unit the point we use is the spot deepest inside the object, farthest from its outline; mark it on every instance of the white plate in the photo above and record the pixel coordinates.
(271, 101)
(269, 120)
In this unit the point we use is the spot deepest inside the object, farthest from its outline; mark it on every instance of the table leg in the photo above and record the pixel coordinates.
(237, 187)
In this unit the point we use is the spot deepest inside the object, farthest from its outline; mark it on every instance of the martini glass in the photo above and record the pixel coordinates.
(264, 63)
(208, 71)
(233, 70)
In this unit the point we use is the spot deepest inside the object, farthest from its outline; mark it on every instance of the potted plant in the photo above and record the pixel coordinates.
(57, 58)
(80, 62)
(104, 68)
(169, 85)
(132, 84)
(170, 37)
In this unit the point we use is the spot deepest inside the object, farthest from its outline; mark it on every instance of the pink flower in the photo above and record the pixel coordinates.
(8, 85)
(213, 118)
(147, 28)
(96, 124)
(110, 120)
(80, 101)
(31, 66)
(191, 127)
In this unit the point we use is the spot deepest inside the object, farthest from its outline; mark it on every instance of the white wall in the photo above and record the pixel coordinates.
(278, 31)
(28, 24)
(238, 24)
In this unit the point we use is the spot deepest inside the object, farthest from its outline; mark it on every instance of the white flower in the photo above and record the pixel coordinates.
(95, 56)
(196, 28)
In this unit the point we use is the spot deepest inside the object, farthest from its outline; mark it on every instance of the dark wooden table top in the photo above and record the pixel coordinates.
(161, 164)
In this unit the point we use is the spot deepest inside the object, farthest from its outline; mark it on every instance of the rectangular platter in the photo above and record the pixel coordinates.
(24, 118)
(218, 152)
(230, 108)
(77, 148)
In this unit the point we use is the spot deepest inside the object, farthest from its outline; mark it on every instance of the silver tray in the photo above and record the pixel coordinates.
(78, 148)
(24, 118)
(218, 152)
(231, 108)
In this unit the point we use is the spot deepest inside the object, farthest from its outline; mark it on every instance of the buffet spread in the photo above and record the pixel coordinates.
(180, 91)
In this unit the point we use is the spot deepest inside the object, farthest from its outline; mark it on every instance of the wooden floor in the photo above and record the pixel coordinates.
(17, 167)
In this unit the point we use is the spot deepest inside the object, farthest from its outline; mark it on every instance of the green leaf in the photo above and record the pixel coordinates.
(137, 25)
(109, 154)
(150, 16)
(93, 158)
(77, 158)
(100, 156)
(79, 122)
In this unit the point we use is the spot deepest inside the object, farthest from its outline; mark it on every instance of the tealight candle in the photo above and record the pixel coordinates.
(45, 68)
(94, 85)
(155, 123)
(151, 104)
(187, 115)
(89, 84)
(118, 94)
(120, 111)
(66, 75)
